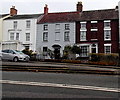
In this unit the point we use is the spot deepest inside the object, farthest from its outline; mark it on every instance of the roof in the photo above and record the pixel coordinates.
(99, 15)
(79, 16)
(3, 15)
(27, 16)
(60, 17)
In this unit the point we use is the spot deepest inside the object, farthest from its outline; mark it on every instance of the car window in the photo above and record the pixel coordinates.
(5, 51)
(12, 52)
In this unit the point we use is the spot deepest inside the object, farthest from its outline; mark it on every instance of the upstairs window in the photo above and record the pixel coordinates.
(66, 36)
(45, 36)
(93, 25)
(28, 24)
(57, 36)
(45, 27)
(83, 25)
(107, 34)
(27, 36)
(57, 26)
(15, 24)
(11, 36)
(67, 26)
(82, 35)
(107, 24)
(17, 36)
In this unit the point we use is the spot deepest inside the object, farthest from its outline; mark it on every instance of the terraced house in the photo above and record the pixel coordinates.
(20, 31)
(98, 31)
(95, 31)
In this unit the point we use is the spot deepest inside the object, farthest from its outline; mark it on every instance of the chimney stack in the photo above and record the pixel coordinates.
(13, 11)
(79, 6)
(46, 9)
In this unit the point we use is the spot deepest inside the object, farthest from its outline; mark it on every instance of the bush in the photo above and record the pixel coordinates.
(104, 59)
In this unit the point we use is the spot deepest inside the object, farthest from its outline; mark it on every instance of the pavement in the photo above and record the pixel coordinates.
(40, 66)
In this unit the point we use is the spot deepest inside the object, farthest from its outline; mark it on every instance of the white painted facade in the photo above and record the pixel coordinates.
(8, 28)
(52, 39)
(1, 29)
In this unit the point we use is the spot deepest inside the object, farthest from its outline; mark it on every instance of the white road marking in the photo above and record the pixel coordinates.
(61, 85)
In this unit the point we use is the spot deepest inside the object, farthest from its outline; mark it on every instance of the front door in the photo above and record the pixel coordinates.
(57, 53)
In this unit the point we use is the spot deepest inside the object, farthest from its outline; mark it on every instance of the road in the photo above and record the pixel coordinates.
(58, 85)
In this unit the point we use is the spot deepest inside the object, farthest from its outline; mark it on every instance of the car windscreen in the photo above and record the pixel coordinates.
(20, 52)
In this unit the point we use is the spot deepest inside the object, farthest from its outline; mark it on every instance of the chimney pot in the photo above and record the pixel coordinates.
(79, 6)
(46, 9)
(13, 11)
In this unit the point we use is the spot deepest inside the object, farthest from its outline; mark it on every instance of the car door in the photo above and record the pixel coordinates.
(11, 54)
(5, 54)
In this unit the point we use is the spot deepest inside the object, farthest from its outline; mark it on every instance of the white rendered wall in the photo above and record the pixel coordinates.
(21, 28)
(51, 36)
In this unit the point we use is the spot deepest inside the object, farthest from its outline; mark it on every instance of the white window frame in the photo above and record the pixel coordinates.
(57, 36)
(28, 24)
(82, 35)
(105, 49)
(15, 23)
(107, 22)
(84, 51)
(17, 36)
(45, 36)
(12, 36)
(67, 26)
(83, 25)
(107, 34)
(67, 36)
(94, 21)
(45, 27)
(27, 36)
(57, 26)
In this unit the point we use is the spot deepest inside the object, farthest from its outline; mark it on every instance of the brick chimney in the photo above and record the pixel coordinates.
(13, 11)
(46, 9)
(79, 6)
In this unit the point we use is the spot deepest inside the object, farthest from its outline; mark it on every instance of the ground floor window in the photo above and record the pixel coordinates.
(107, 49)
(84, 51)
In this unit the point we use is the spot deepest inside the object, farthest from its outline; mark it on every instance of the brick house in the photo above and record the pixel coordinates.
(97, 31)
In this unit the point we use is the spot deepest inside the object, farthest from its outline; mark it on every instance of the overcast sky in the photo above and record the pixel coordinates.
(37, 6)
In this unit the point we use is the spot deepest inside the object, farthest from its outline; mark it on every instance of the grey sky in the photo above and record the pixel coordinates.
(37, 6)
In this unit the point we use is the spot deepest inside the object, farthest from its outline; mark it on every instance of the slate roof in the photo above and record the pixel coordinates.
(60, 17)
(99, 15)
(106, 14)
(27, 16)
(3, 15)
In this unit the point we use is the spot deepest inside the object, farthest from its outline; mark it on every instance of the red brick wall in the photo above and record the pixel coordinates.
(100, 35)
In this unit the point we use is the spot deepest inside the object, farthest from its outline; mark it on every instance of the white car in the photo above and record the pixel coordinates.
(14, 55)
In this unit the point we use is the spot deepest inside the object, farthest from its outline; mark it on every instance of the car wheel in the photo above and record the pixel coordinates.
(15, 59)
(27, 59)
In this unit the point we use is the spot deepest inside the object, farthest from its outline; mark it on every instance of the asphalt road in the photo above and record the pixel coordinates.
(58, 85)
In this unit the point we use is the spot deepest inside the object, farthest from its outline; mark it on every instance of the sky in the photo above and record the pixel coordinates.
(37, 6)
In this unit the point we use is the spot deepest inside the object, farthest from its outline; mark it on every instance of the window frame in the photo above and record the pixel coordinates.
(13, 36)
(45, 36)
(67, 36)
(15, 23)
(27, 37)
(28, 24)
(106, 49)
(107, 34)
(67, 26)
(45, 27)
